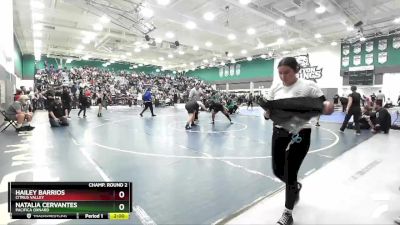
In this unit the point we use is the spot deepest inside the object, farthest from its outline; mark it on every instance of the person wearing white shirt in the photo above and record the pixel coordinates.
(287, 155)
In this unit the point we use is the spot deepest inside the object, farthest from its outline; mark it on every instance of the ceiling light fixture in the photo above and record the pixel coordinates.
(190, 25)
(362, 39)
(244, 2)
(249, 58)
(321, 9)
(397, 20)
(222, 63)
(181, 52)
(129, 54)
(334, 43)
(170, 56)
(169, 35)
(244, 51)
(137, 50)
(263, 56)
(281, 22)
(104, 19)
(208, 43)
(205, 61)
(196, 48)
(317, 35)
(233, 61)
(209, 16)
(251, 31)
(191, 63)
(260, 45)
(230, 54)
(350, 28)
(147, 12)
(163, 2)
(231, 37)
(202, 67)
(280, 41)
(161, 58)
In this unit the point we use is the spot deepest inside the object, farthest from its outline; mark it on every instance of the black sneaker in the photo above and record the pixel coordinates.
(29, 128)
(317, 125)
(230, 122)
(20, 129)
(187, 127)
(154, 115)
(286, 219)
(193, 124)
(212, 122)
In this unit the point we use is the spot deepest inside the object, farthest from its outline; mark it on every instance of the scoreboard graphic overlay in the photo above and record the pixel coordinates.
(70, 200)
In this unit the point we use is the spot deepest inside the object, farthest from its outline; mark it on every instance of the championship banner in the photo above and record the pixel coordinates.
(396, 42)
(226, 68)
(345, 61)
(237, 69)
(357, 48)
(369, 59)
(357, 60)
(369, 46)
(346, 49)
(382, 57)
(232, 70)
(221, 72)
(382, 44)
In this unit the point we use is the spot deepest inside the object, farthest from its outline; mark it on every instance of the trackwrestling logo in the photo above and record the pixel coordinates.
(307, 71)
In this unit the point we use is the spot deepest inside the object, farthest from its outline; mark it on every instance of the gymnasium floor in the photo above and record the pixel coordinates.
(179, 177)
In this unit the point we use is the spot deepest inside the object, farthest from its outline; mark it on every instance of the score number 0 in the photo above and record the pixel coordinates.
(121, 195)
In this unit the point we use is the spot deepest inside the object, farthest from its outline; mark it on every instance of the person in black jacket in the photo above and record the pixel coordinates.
(353, 109)
(83, 102)
(66, 101)
(383, 119)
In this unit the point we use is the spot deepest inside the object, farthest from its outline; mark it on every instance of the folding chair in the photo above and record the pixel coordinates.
(10, 121)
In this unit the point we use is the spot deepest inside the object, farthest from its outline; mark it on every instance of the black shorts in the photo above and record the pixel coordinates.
(218, 108)
(99, 101)
(192, 107)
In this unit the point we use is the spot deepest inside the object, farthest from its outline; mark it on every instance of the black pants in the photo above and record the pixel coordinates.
(356, 117)
(146, 106)
(83, 108)
(286, 164)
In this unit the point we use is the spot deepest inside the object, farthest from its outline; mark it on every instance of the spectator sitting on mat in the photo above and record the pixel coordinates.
(19, 111)
(366, 122)
(57, 113)
(383, 119)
